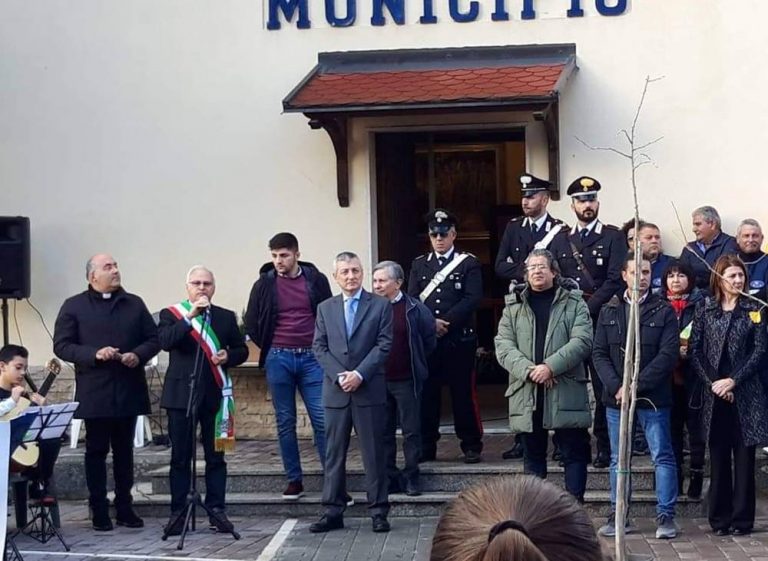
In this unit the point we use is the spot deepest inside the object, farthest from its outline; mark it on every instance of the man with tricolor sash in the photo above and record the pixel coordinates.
(184, 328)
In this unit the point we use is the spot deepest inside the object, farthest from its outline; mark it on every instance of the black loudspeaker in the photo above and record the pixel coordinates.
(15, 257)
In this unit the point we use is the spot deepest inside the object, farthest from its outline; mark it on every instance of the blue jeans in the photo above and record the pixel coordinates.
(658, 434)
(287, 371)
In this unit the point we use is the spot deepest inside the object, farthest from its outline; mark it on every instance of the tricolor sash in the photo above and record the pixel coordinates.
(224, 429)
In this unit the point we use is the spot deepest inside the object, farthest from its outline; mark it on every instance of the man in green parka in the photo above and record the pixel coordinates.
(545, 335)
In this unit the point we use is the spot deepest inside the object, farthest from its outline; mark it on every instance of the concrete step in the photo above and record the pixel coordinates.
(429, 504)
(435, 477)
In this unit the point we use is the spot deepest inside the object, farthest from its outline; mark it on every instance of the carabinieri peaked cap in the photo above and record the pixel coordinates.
(530, 185)
(584, 188)
(440, 221)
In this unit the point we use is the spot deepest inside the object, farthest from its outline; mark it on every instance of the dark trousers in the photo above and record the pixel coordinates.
(574, 447)
(683, 415)
(732, 485)
(403, 409)
(453, 364)
(100, 435)
(182, 447)
(600, 425)
(369, 425)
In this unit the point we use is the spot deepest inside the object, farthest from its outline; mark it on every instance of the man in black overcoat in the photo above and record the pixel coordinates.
(109, 335)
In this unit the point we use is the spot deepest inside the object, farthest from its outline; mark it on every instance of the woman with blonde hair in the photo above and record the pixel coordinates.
(520, 518)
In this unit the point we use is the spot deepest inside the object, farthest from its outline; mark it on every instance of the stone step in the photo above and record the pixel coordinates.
(435, 476)
(429, 504)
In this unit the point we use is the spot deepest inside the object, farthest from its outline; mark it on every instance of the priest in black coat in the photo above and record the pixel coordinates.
(196, 329)
(109, 335)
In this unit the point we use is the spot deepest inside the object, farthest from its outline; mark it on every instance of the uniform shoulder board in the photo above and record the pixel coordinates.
(611, 227)
(562, 223)
(516, 219)
(468, 253)
(422, 256)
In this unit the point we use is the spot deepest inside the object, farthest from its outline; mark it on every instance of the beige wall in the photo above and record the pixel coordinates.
(153, 129)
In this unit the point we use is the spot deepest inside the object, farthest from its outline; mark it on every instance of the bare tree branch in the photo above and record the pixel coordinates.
(607, 149)
(647, 144)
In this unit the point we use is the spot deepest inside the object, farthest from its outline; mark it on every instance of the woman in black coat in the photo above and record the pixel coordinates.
(727, 348)
(680, 291)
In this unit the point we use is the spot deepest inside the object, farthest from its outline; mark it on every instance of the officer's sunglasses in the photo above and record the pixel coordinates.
(438, 235)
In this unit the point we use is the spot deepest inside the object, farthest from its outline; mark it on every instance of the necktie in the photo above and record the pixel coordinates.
(441, 261)
(534, 228)
(350, 308)
(584, 233)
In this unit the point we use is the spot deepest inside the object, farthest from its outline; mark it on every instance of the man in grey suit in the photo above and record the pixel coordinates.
(353, 335)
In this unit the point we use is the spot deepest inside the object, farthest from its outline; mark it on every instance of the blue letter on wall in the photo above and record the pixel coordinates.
(617, 10)
(575, 11)
(396, 9)
(500, 13)
(429, 13)
(288, 7)
(528, 11)
(330, 13)
(456, 15)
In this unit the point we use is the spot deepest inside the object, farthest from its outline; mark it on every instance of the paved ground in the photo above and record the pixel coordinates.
(279, 539)
(409, 540)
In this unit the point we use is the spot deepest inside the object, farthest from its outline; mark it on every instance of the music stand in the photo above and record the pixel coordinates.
(50, 422)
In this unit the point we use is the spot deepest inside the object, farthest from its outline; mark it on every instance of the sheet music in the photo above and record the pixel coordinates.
(50, 421)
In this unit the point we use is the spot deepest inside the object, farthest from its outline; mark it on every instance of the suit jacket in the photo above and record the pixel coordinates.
(366, 350)
(176, 337)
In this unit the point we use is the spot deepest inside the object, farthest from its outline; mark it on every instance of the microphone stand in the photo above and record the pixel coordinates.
(194, 499)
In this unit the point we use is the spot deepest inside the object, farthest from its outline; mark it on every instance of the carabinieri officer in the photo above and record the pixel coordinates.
(449, 282)
(592, 253)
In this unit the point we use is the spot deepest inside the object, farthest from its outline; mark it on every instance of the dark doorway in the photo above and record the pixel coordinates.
(474, 175)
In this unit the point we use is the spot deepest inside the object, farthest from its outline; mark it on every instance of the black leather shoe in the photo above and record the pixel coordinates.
(395, 486)
(472, 457)
(514, 453)
(412, 488)
(721, 532)
(326, 524)
(101, 521)
(126, 517)
(741, 531)
(601, 461)
(220, 522)
(379, 524)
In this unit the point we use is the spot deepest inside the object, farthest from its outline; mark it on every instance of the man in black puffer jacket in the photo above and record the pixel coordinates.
(280, 319)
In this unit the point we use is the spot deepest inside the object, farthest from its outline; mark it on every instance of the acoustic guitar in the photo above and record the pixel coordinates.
(27, 453)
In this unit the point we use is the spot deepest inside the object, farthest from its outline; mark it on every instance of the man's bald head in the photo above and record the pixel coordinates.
(102, 273)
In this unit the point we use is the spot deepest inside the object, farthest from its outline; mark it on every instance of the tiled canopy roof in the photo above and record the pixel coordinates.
(371, 80)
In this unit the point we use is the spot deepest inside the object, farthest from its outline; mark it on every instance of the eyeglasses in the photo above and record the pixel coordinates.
(437, 235)
(200, 284)
(537, 267)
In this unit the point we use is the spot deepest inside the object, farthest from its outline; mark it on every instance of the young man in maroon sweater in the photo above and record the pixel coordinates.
(280, 319)
(414, 338)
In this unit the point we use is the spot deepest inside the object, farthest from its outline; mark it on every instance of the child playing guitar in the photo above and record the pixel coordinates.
(13, 366)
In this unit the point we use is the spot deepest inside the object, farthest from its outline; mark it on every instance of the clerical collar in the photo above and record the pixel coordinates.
(106, 295)
(447, 254)
(397, 298)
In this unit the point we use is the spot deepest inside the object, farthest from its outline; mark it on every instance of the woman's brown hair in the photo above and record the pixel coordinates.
(520, 518)
(716, 279)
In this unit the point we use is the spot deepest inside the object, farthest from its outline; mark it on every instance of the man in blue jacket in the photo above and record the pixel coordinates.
(711, 242)
(280, 319)
(413, 339)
